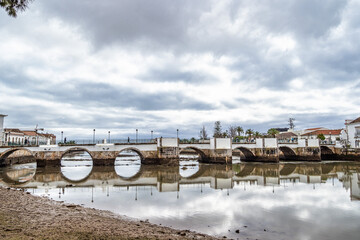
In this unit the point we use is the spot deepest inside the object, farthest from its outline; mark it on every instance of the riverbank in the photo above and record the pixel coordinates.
(24, 216)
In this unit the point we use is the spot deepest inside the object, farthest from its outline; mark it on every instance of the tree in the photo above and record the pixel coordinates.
(217, 129)
(203, 133)
(232, 131)
(249, 132)
(12, 7)
(239, 130)
(257, 134)
(321, 136)
(272, 132)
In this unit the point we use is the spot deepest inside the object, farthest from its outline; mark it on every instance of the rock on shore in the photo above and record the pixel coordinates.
(24, 216)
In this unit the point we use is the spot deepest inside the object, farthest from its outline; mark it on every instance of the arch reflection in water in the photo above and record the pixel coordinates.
(188, 162)
(19, 173)
(127, 163)
(76, 165)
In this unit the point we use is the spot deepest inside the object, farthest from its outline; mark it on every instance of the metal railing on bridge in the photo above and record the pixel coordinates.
(295, 141)
(101, 141)
(327, 142)
(236, 140)
(14, 144)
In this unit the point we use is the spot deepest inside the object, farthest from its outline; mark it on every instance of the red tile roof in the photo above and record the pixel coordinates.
(30, 133)
(325, 132)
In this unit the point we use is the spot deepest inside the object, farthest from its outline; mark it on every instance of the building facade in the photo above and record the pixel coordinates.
(15, 137)
(353, 132)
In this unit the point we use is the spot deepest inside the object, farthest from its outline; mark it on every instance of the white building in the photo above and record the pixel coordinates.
(2, 139)
(353, 132)
(329, 134)
(14, 136)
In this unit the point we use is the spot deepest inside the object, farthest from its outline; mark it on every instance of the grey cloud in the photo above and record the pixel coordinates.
(171, 74)
(162, 22)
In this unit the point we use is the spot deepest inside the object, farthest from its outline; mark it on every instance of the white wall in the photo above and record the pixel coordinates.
(2, 140)
(259, 142)
(313, 143)
(352, 134)
(212, 143)
(223, 143)
(270, 142)
(169, 142)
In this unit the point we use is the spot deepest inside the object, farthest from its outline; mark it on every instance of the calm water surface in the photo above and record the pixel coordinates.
(263, 201)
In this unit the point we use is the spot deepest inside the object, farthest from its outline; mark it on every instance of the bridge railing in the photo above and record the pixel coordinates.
(99, 141)
(295, 141)
(30, 143)
(327, 142)
(244, 140)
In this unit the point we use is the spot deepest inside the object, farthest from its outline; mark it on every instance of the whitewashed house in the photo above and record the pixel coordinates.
(353, 132)
(14, 136)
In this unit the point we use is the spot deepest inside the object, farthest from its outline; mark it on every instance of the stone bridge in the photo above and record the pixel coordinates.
(166, 151)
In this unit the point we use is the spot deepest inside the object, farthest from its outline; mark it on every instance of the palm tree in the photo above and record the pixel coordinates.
(272, 132)
(249, 132)
(12, 7)
(257, 134)
(239, 130)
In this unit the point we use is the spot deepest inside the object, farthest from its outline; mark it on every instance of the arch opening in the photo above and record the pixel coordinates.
(76, 165)
(128, 163)
(287, 153)
(327, 153)
(17, 156)
(18, 174)
(189, 161)
(241, 154)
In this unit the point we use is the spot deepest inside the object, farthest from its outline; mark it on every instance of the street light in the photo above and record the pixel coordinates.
(109, 138)
(177, 133)
(152, 134)
(136, 135)
(94, 136)
(62, 136)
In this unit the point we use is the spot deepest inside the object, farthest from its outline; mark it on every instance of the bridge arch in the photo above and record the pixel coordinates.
(327, 153)
(76, 149)
(7, 153)
(287, 153)
(201, 154)
(129, 169)
(247, 153)
(72, 171)
(141, 155)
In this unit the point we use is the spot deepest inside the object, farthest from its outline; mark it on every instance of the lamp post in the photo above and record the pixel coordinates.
(152, 134)
(62, 136)
(109, 138)
(136, 135)
(177, 133)
(94, 136)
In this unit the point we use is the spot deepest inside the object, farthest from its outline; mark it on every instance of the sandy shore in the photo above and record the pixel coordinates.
(24, 216)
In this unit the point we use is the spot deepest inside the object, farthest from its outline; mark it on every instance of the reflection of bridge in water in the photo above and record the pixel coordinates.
(166, 178)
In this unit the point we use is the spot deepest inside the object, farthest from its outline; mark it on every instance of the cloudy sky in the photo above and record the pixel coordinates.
(165, 65)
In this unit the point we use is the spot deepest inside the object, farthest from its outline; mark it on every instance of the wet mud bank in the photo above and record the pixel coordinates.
(24, 216)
